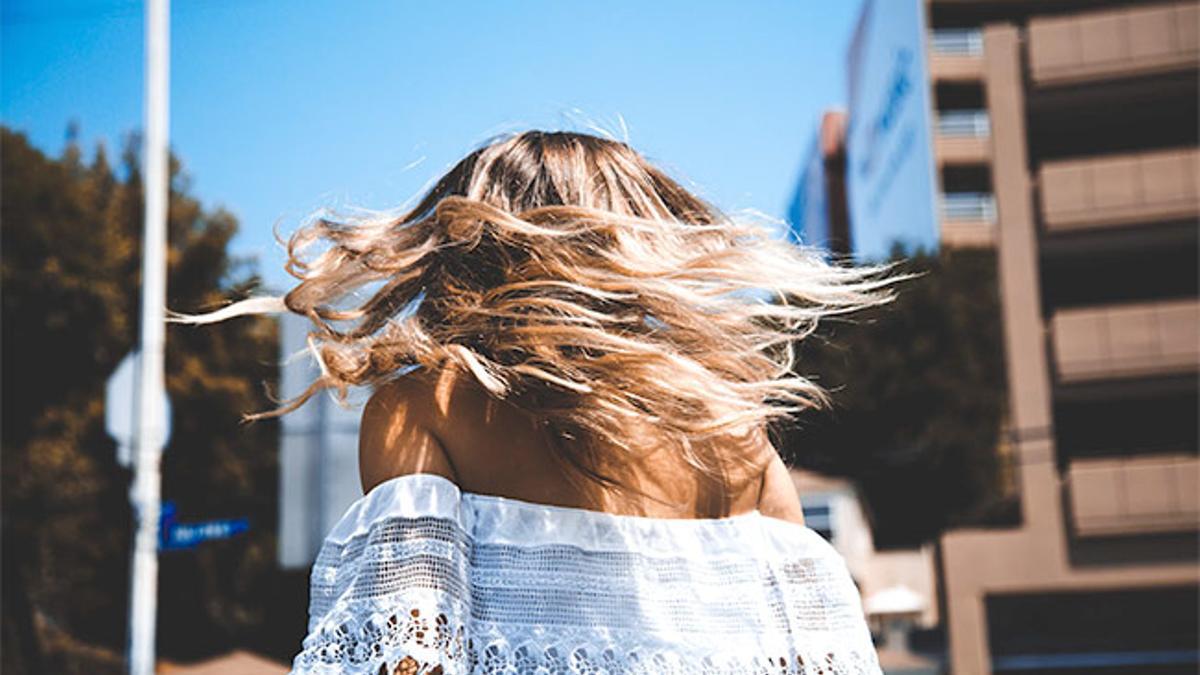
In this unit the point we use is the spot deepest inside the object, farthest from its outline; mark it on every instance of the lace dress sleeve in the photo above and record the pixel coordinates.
(390, 590)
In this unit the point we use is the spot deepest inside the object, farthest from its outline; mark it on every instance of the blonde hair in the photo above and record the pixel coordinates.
(568, 275)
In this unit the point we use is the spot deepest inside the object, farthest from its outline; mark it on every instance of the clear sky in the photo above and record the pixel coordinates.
(279, 108)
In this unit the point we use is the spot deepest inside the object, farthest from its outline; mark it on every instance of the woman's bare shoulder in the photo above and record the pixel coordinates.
(439, 422)
(778, 497)
(397, 435)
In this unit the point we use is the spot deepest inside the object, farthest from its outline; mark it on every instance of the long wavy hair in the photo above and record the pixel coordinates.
(571, 277)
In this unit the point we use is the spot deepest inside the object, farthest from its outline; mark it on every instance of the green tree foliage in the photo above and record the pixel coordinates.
(70, 275)
(919, 401)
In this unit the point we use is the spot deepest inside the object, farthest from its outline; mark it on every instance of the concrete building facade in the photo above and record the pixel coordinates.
(961, 131)
(1093, 161)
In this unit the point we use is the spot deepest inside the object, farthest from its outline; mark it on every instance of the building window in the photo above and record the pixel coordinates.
(819, 518)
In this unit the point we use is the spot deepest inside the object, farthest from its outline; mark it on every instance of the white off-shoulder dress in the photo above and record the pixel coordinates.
(421, 577)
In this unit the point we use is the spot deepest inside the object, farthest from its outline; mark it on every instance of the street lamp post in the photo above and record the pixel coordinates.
(151, 428)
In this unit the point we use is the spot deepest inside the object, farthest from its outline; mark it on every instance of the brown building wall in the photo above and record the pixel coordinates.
(1115, 524)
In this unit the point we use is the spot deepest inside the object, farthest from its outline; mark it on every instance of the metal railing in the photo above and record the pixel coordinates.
(957, 41)
(974, 207)
(963, 123)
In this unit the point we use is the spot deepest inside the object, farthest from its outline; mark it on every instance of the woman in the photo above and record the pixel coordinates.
(565, 460)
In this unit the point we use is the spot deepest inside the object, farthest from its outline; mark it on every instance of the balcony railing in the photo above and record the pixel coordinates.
(963, 123)
(1117, 190)
(1134, 495)
(957, 41)
(1127, 340)
(1114, 43)
(969, 207)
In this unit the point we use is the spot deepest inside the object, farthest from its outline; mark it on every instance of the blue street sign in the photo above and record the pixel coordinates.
(177, 536)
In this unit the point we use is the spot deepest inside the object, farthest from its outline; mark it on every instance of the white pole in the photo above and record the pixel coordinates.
(151, 429)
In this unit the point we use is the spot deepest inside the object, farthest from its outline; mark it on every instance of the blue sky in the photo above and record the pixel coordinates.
(280, 108)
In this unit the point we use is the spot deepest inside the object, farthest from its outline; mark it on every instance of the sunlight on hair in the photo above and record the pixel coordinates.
(566, 274)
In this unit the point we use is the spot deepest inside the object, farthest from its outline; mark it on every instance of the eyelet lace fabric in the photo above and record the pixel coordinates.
(421, 578)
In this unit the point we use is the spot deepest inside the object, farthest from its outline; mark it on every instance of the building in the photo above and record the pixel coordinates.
(961, 127)
(891, 177)
(948, 120)
(318, 453)
(1064, 134)
(1091, 153)
(818, 210)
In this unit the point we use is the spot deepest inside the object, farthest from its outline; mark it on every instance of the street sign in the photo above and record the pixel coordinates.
(121, 410)
(177, 536)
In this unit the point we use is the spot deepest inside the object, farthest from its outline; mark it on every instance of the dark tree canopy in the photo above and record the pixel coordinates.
(70, 274)
(919, 392)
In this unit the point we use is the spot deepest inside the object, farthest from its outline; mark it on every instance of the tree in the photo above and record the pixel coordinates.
(70, 273)
(919, 400)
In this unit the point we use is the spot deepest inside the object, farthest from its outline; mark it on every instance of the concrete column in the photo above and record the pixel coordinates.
(966, 626)
(1024, 330)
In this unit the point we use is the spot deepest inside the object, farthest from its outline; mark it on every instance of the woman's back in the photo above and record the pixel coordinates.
(447, 425)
